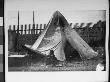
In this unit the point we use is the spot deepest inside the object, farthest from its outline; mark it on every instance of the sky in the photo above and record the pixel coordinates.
(75, 11)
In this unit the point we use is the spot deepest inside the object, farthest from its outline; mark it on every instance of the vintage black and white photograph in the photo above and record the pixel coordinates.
(55, 40)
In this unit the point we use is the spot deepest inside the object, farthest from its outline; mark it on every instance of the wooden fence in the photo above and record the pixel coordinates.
(29, 28)
(36, 29)
(28, 34)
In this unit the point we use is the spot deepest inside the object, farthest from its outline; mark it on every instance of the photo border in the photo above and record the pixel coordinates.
(64, 76)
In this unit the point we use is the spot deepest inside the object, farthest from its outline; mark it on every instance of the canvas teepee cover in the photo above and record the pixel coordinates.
(56, 34)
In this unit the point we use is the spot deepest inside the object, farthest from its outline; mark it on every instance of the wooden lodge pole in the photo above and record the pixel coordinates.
(18, 34)
(33, 24)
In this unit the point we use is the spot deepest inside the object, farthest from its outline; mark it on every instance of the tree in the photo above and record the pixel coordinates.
(76, 25)
(81, 25)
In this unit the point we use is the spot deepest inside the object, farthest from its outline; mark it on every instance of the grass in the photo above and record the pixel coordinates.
(37, 63)
(27, 64)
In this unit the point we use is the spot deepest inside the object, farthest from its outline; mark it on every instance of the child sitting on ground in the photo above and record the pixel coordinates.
(51, 59)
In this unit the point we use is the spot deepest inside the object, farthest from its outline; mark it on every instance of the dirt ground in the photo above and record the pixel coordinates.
(28, 64)
(37, 63)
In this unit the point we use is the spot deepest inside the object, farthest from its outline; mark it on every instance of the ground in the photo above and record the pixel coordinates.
(25, 64)
(37, 63)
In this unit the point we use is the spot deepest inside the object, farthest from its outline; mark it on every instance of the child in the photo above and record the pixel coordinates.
(51, 59)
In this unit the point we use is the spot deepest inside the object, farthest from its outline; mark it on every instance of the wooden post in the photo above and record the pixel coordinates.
(33, 32)
(76, 26)
(44, 26)
(25, 29)
(18, 24)
(18, 34)
(14, 28)
(40, 28)
(18, 29)
(70, 24)
(29, 31)
(81, 25)
(33, 18)
(21, 29)
(9, 27)
(36, 28)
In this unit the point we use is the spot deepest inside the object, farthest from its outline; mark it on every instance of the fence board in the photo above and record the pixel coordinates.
(40, 28)
(13, 27)
(44, 26)
(10, 27)
(25, 29)
(70, 24)
(18, 29)
(33, 29)
(21, 29)
(36, 28)
(29, 31)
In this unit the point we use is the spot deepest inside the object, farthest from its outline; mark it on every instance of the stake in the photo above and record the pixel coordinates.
(18, 33)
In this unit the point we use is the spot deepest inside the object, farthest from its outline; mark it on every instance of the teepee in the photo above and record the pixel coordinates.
(54, 37)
